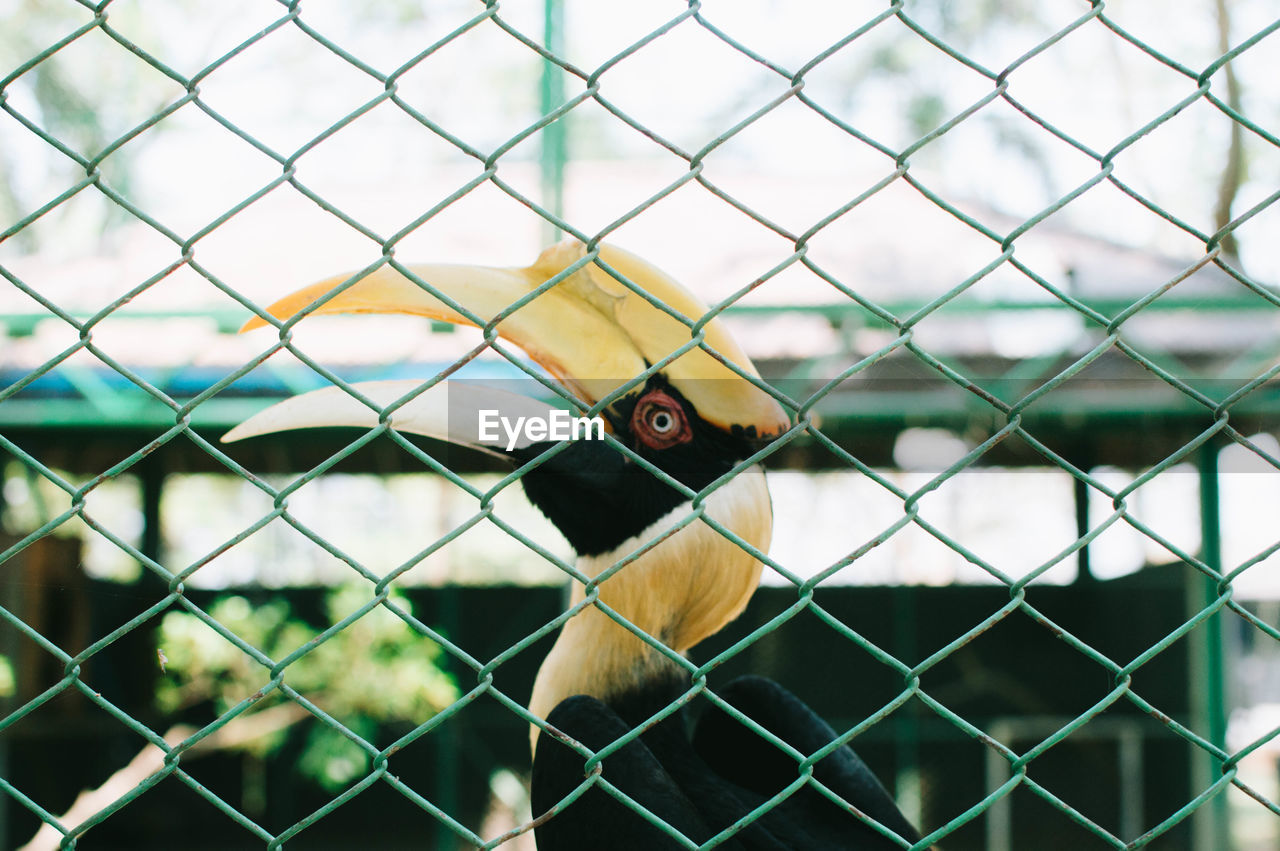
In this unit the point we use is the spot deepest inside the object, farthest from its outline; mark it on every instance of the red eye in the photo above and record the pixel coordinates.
(659, 421)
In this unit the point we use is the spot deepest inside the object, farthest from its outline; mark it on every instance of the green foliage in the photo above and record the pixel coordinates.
(333, 760)
(376, 670)
(6, 677)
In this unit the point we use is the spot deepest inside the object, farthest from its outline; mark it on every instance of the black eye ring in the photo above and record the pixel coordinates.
(659, 422)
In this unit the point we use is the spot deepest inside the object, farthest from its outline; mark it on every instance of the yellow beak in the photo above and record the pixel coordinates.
(590, 331)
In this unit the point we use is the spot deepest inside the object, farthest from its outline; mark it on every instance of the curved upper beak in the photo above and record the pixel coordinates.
(590, 330)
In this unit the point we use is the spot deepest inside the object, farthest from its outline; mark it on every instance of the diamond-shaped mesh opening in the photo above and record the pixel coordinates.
(1009, 270)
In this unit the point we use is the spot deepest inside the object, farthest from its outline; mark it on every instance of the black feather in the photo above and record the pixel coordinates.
(598, 498)
(703, 786)
(731, 749)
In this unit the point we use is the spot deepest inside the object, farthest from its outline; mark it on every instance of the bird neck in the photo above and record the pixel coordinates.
(680, 591)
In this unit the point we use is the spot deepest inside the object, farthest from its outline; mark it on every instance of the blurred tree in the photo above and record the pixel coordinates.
(86, 95)
(92, 91)
(1233, 171)
(377, 669)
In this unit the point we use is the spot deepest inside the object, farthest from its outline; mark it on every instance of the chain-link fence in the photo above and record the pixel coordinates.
(108, 380)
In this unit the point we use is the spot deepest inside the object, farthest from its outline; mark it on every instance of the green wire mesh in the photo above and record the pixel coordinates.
(563, 88)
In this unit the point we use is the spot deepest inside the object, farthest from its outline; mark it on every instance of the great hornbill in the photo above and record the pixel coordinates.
(695, 419)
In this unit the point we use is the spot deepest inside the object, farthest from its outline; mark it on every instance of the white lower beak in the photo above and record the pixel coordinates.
(459, 412)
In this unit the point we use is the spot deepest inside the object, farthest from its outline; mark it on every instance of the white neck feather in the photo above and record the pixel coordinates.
(681, 591)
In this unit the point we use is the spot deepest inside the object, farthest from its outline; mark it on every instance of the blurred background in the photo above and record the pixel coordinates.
(1015, 259)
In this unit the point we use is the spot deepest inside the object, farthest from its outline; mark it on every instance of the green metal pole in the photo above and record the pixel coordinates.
(554, 148)
(1080, 494)
(449, 618)
(1211, 824)
(907, 789)
(9, 651)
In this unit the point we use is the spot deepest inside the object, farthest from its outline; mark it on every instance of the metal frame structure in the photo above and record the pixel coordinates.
(153, 422)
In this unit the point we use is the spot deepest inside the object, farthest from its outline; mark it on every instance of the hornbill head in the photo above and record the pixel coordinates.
(694, 418)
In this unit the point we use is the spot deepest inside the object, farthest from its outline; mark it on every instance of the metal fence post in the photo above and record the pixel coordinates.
(1080, 496)
(553, 149)
(1207, 675)
(8, 650)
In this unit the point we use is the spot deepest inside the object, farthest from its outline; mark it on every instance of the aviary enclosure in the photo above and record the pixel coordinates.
(1008, 269)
